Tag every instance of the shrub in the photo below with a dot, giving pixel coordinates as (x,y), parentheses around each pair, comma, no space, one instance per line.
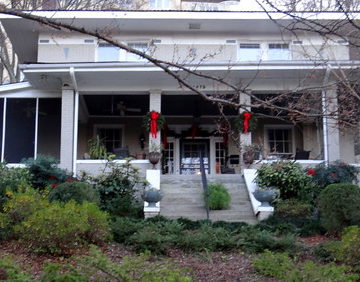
(258,240)
(45,172)
(98,267)
(280,266)
(122,228)
(219,197)
(274,264)
(292,208)
(61,228)
(117,189)
(339,206)
(346,251)
(22,205)
(298,225)
(287,176)
(12,180)
(9,271)
(77,191)
(338,172)
(207,238)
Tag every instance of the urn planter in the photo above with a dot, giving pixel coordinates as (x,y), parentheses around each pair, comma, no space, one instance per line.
(152,197)
(265,196)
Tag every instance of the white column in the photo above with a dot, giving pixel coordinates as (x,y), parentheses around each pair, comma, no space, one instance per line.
(331,129)
(67,129)
(155,105)
(245,139)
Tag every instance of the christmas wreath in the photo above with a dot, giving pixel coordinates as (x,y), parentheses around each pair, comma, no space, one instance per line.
(245,122)
(153,122)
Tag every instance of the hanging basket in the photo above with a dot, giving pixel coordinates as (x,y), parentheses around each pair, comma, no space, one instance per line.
(245,122)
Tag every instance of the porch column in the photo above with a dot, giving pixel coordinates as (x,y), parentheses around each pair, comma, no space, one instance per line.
(67,129)
(331,129)
(245,139)
(155,105)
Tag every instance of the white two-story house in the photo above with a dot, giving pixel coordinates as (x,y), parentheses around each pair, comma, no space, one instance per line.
(79,87)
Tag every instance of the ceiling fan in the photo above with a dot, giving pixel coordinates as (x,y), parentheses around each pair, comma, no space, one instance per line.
(122,109)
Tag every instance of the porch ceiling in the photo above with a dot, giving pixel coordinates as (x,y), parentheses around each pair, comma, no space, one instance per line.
(118,77)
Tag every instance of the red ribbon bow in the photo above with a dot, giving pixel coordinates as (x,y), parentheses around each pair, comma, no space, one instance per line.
(247,117)
(153,124)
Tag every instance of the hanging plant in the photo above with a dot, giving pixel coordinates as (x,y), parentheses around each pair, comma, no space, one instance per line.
(153,122)
(245,122)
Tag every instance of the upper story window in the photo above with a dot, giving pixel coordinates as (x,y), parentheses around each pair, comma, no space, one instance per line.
(130,57)
(279,52)
(250,52)
(107,53)
(160,4)
(110,53)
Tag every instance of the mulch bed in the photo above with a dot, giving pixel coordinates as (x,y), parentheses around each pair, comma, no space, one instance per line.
(203,266)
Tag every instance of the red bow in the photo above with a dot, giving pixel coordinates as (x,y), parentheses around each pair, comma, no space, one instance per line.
(153,124)
(247,117)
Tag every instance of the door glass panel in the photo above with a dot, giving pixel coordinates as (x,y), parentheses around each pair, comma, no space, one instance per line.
(190,160)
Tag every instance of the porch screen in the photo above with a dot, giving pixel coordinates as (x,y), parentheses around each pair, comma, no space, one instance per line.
(1,120)
(49,130)
(20,129)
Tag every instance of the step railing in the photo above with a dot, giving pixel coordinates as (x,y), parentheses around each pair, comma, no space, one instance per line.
(205,185)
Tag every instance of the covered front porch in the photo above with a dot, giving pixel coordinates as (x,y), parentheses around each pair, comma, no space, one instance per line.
(110,101)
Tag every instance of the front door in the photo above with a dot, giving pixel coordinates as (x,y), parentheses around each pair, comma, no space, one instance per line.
(190,156)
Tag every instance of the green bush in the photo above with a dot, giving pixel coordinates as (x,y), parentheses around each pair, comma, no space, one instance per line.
(122,228)
(77,191)
(292,208)
(98,267)
(345,251)
(117,189)
(280,266)
(295,225)
(339,206)
(276,265)
(60,228)
(9,271)
(337,172)
(45,172)
(207,238)
(219,197)
(12,180)
(22,205)
(287,176)
(259,240)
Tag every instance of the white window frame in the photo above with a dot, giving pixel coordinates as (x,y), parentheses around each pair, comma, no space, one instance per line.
(268,127)
(130,57)
(108,46)
(111,126)
(249,43)
(282,44)
(160,4)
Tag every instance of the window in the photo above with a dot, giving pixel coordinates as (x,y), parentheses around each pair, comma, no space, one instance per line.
(130,57)
(160,4)
(168,159)
(107,53)
(279,52)
(280,141)
(220,156)
(250,52)
(111,135)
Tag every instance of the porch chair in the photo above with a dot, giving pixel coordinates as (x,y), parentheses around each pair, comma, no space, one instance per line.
(121,152)
(302,155)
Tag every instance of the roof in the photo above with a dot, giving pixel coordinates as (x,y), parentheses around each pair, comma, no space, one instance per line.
(153,23)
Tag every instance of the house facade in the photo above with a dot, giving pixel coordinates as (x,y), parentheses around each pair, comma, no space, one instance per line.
(79,87)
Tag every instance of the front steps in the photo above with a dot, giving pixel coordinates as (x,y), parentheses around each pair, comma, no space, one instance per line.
(183,197)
